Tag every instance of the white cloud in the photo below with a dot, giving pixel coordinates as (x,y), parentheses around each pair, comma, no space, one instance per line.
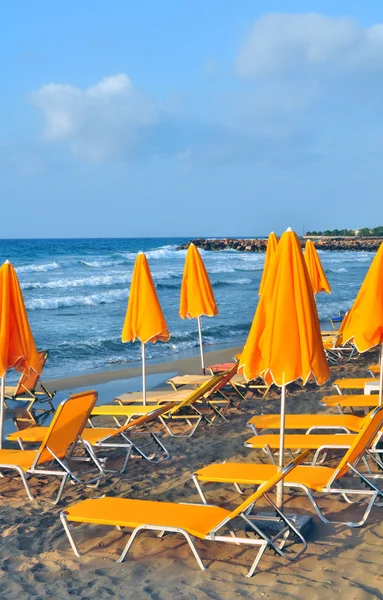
(102,121)
(282,42)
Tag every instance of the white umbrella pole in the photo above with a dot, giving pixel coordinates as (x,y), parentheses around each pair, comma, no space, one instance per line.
(381,376)
(143,373)
(281,445)
(2,410)
(200,344)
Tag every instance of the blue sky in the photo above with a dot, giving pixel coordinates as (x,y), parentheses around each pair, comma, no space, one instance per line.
(188,117)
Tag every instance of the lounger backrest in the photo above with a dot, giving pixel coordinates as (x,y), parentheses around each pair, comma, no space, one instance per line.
(67,425)
(226,377)
(143,419)
(29,379)
(268,485)
(373,423)
(195,395)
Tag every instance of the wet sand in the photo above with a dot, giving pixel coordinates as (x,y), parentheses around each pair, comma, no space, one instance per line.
(36,560)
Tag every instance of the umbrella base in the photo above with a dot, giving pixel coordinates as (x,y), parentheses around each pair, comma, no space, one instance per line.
(267,522)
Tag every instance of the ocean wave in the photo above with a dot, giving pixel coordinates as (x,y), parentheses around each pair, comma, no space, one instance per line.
(100,263)
(168,251)
(94,281)
(38,268)
(241,281)
(66,301)
(221,269)
(331,309)
(340,270)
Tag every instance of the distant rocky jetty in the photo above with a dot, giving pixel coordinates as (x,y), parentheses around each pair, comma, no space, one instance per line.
(259,245)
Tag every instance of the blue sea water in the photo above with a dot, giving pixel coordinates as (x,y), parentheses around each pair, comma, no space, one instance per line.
(76,295)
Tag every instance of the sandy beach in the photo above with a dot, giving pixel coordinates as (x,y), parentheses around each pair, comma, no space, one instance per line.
(37,562)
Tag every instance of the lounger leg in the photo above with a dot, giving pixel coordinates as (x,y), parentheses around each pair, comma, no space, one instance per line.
(130,542)
(162,531)
(238,488)
(348,523)
(181,435)
(23,479)
(199,489)
(255,564)
(27,488)
(126,460)
(194,550)
(64,521)
(61,489)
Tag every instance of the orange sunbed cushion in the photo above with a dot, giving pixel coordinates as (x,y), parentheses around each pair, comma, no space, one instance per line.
(351,400)
(20,458)
(255,474)
(198,520)
(30,434)
(354,383)
(303,421)
(303,441)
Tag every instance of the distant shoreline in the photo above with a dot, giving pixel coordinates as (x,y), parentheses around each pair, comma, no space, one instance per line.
(336,243)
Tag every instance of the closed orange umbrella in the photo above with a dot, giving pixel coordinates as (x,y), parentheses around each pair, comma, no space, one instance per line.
(271,247)
(318,278)
(285,343)
(197,297)
(17,346)
(363,324)
(144,319)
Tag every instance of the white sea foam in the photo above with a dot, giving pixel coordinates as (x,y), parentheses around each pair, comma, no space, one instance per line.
(94,281)
(66,301)
(240,281)
(39,268)
(99,263)
(340,270)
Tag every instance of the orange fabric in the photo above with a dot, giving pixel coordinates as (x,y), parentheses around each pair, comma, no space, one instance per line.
(144,319)
(17,346)
(198,520)
(271,247)
(285,343)
(197,297)
(363,324)
(315,477)
(314,266)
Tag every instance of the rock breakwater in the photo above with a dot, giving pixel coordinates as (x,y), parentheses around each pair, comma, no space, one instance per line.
(260,244)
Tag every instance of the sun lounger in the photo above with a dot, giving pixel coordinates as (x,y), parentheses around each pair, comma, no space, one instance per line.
(352,383)
(352,401)
(186,410)
(54,454)
(336,354)
(104,438)
(179,395)
(310,423)
(224,402)
(26,388)
(190,520)
(320,443)
(311,479)
(153,397)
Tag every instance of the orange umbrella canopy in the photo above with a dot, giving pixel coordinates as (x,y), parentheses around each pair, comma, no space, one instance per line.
(314,266)
(363,324)
(271,247)
(197,297)
(17,346)
(285,343)
(144,319)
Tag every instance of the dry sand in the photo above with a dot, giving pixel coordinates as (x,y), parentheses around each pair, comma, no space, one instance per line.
(37,562)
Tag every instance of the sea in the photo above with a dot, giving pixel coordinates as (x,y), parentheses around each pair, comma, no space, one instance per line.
(76,293)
